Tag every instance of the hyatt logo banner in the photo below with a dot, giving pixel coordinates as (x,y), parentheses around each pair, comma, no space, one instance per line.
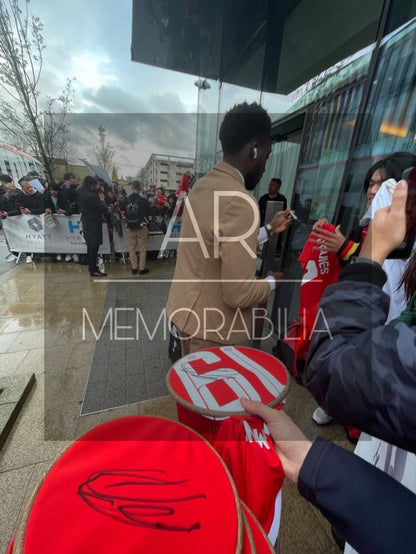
(47,234)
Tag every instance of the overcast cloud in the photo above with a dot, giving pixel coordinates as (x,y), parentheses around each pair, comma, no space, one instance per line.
(135,136)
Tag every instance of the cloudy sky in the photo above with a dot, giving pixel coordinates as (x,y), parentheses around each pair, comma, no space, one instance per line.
(91,42)
(144,109)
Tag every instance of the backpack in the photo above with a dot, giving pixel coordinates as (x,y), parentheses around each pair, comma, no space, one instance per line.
(156,225)
(116,219)
(135,215)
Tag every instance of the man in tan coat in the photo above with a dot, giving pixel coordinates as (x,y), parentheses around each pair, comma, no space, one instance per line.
(213,289)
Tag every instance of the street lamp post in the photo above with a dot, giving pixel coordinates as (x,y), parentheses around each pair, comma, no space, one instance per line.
(204,85)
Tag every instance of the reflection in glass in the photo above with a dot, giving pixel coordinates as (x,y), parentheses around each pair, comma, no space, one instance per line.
(389,123)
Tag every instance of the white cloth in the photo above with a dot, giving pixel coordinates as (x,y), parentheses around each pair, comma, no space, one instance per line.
(272,282)
(394,268)
(262,237)
(37,185)
(382,199)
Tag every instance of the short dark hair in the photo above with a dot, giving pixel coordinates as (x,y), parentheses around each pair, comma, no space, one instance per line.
(391,167)
(68,176)
(136,185)
(54,186)
(89,182)
(242,124)
(6,179)
(277,180)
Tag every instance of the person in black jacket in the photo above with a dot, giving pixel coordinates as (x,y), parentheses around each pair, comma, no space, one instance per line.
(91,203)
(364,374)
(137,231)
(9,201)
(30,200)
(56,202)
(272,196)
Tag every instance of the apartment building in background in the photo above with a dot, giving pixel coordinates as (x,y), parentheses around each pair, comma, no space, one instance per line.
(165,171)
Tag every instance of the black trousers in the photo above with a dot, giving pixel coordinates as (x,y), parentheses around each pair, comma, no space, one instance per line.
(92,251)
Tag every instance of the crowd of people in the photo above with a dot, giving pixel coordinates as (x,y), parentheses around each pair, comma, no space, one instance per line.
(32,195)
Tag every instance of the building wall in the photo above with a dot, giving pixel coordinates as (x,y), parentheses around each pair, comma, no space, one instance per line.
(80,171)
(165,171)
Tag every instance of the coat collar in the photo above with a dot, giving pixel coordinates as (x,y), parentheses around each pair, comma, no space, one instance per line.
(231,171)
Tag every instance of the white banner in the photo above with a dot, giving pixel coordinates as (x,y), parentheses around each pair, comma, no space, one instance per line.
(45,234)
(154,241)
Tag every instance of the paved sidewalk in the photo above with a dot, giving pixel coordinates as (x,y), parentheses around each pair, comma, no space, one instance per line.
(41,332)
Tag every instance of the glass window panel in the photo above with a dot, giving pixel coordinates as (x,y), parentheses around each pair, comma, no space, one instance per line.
(282,163)
(327,138)
(326,141)
(389,123)
(207,120)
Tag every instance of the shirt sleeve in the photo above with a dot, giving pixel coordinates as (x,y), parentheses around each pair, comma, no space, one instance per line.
(262,236)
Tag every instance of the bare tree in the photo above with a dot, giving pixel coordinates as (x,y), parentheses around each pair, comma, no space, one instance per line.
(56,129)
(104,152)
(24,123)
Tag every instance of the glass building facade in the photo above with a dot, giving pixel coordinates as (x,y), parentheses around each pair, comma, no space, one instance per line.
(323,144)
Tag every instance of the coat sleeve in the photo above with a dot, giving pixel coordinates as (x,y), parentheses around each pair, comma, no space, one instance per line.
(40,204)
(97,205)
(48,202)
(360,370)
(238,253)
(369,509)
(14,204)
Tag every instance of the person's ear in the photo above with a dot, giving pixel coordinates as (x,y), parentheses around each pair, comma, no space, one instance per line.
(254,154)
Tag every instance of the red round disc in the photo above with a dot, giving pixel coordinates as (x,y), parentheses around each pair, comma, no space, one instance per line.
(136,485)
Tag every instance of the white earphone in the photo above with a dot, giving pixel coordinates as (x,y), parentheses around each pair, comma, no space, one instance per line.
(254,153)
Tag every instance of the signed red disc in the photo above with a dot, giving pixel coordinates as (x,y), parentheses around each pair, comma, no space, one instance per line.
(136,485)
(212,381)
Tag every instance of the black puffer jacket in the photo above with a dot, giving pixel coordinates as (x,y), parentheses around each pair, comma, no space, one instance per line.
(361,371)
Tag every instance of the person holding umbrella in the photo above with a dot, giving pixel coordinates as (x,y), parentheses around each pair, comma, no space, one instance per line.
(90,199)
